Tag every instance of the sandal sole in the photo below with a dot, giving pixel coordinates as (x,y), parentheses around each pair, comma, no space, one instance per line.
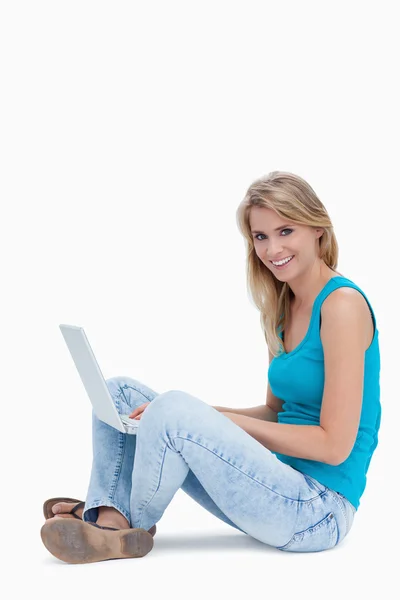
(48,513)
(76,542)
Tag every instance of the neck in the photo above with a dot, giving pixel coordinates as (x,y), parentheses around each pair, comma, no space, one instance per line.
(307,285)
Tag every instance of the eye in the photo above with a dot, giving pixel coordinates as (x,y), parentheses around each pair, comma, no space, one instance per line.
(287,229)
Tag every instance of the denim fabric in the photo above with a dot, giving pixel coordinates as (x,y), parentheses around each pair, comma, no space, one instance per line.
(184,443)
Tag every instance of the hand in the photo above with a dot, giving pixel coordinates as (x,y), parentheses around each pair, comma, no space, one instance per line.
(137,413)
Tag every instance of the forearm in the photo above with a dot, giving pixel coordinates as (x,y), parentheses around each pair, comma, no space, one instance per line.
(263,412)
(301,441)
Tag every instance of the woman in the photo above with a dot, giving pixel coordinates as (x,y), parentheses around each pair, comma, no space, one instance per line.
(289,473)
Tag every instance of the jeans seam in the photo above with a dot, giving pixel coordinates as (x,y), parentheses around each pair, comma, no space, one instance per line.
(226,461)
(120,456)
(341,507)
(247,475)
(157,486)
(311,483)
(131,387)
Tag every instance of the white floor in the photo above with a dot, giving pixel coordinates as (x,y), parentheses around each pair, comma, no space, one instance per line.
(197,556)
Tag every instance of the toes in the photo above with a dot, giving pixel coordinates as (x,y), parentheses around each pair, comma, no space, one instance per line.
(57,517)
(63,507)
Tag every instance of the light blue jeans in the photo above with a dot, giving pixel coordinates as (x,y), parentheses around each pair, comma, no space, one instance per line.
(184,443)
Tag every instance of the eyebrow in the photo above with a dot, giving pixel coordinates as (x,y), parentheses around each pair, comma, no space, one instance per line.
(276,229)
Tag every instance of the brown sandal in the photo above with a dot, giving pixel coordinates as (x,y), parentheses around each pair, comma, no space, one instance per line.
(48,513)
(79,542)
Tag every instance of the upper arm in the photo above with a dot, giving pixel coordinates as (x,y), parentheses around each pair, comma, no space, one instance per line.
(344,325)
(272,401)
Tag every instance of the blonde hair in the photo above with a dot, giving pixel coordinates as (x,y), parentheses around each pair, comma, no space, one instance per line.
(293,199)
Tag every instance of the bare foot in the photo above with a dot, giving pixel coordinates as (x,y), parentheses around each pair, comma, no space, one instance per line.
(66,507)
(107,516)
(111,517)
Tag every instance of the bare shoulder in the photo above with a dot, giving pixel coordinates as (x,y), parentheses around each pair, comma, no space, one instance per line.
(345,296)
(349,301)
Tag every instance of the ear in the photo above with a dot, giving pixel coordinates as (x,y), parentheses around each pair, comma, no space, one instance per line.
(319,232)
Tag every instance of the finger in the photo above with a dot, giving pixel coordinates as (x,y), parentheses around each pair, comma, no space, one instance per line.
(137,410)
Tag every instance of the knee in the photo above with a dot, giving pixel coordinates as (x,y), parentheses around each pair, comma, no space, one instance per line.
(174,402)
(172,396)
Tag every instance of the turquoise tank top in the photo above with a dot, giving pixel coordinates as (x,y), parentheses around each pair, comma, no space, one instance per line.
(297,378)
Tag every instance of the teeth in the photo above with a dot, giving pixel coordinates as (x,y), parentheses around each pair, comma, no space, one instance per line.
(282,262)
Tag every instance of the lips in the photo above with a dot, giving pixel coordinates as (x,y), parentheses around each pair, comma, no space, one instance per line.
(283,264)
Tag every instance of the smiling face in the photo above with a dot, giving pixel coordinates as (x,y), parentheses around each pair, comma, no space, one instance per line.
(275,239)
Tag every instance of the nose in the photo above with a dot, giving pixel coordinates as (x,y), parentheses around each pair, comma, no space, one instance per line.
(274,250)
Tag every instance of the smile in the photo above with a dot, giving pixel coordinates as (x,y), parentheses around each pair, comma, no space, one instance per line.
(282,263)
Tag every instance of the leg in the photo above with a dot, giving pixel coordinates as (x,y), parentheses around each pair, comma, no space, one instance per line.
(193,488)
(113,452)
(260,494)
(113,459)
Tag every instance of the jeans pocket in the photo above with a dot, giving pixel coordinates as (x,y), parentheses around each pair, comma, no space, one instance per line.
(321,536)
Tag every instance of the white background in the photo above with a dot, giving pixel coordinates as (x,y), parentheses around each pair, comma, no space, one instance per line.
(130,132)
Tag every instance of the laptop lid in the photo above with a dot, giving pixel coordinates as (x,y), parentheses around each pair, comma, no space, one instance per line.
(91,375)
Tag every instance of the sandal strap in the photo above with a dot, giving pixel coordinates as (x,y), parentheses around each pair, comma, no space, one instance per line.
(77,507)
(101,527)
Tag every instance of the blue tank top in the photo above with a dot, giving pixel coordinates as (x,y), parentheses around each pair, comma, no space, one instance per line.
(297,378)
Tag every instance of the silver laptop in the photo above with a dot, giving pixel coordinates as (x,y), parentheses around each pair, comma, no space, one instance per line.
(94,382)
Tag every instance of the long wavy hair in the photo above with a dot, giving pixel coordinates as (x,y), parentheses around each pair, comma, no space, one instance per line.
(293,199)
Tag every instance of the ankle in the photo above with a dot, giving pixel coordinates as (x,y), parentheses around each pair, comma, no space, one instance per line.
(111,517)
